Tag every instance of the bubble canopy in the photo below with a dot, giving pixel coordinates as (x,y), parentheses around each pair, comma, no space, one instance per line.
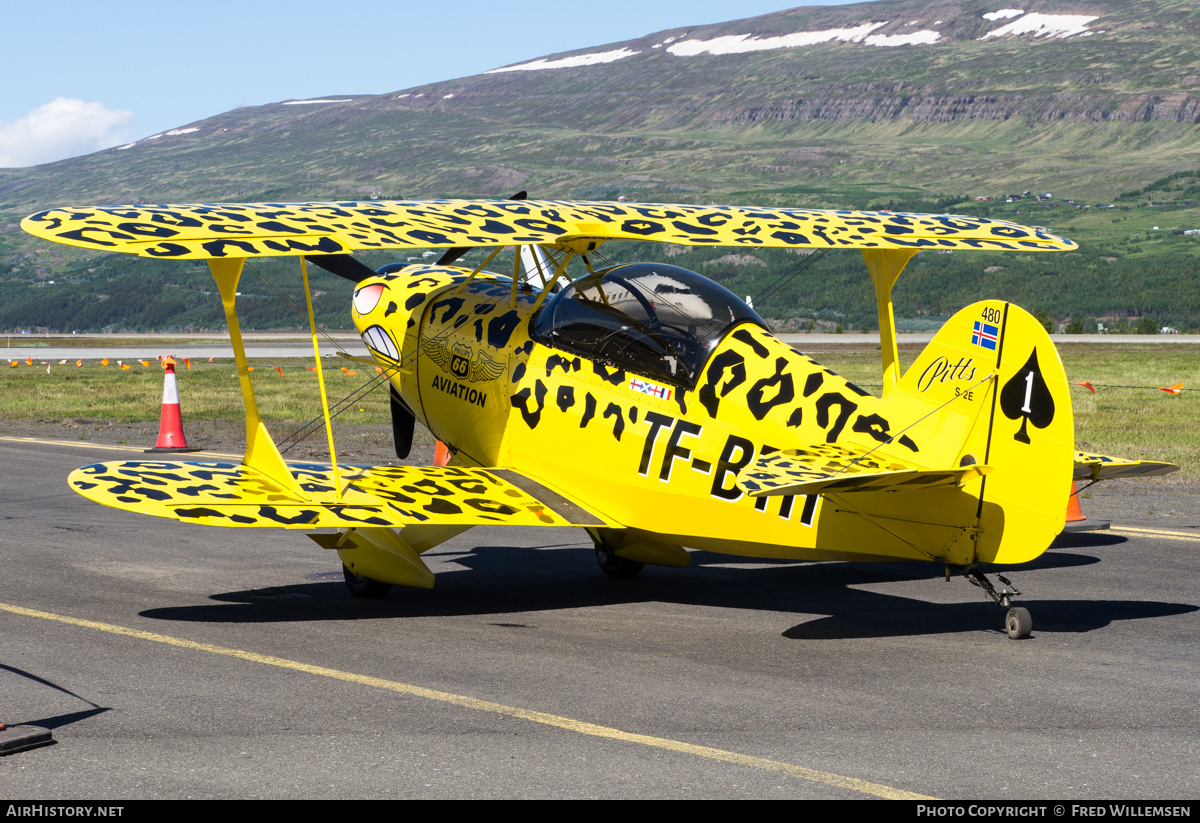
(655,320)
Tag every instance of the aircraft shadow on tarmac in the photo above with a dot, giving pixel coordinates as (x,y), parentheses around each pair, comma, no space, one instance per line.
(504,579)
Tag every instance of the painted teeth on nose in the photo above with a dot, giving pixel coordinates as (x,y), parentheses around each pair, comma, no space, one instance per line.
(379,340)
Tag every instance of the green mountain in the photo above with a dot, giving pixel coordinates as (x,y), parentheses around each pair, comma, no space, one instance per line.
(904,104)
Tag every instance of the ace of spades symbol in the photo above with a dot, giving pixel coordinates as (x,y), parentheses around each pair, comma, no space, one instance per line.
(1027,396)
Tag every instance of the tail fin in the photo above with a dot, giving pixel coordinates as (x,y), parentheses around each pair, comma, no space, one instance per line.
(990,388)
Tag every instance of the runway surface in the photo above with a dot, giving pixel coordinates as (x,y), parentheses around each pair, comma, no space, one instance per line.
(270,346)
(182,661)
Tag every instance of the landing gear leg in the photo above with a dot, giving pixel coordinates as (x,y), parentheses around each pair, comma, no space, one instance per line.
(1017,623)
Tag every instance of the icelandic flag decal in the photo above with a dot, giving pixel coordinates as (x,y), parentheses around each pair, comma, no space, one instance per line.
(985,335)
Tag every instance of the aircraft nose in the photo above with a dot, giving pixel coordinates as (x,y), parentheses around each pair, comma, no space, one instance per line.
(367,298)
(380,342)
(373,313)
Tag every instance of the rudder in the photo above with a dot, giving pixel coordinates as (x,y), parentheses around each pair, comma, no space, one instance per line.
(992,388)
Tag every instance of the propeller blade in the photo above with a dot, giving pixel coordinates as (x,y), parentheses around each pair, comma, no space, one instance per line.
(453,254)
(343,265)
(403,422)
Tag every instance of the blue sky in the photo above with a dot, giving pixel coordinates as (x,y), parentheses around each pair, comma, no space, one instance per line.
(88,75)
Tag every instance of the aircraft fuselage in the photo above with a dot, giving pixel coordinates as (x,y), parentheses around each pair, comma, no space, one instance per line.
(657,456)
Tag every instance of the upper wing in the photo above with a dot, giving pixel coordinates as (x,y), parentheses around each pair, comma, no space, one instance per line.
(274,229)
(231,494)
(1102,467)
(832,468)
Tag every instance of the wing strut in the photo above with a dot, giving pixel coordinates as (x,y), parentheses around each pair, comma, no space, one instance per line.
(312,325)
(478,269)
(553,279)
(261,453)
(885,266)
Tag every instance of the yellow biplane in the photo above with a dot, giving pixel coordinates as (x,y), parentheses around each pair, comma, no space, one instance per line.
(641,402)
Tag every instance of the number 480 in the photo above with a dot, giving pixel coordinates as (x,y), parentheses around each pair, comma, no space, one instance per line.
(991,315)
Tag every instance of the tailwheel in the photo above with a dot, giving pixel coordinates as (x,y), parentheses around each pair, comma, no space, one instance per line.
(615,566)
(364,587)
(1018,623)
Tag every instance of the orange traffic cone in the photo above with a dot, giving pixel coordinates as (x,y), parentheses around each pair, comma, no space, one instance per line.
(441,455)
(170,426)
(1076,520)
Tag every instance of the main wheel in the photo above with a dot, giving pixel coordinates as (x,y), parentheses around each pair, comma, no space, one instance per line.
(364,586)
(1018,623)
(615,566)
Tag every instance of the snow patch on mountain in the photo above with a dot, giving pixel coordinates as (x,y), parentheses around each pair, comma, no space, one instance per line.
(1057,26)
(592,59)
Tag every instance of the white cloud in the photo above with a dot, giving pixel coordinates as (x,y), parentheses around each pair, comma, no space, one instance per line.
(62,128)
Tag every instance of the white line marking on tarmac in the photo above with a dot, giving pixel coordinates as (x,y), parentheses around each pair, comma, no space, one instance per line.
(566,723)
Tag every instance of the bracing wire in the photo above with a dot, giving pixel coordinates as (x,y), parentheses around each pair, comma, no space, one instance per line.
(292,303)
(791,274)
(314,425)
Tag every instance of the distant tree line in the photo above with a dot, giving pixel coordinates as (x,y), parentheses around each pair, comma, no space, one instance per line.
(1112,283)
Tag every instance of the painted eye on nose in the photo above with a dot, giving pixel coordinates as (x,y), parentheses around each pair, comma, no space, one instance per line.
(367,298)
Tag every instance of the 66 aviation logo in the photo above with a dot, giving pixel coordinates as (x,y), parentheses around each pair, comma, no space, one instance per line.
(460,361)
(464,363)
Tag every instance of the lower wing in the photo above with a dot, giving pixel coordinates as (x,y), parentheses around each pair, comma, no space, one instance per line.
(232,494)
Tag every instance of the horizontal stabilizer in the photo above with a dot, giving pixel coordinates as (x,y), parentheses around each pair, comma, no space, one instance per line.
(1102,467)
(831,468)
(232,494)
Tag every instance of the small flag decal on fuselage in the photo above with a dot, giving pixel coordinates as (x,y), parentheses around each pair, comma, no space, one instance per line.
(646,387)
(985,335)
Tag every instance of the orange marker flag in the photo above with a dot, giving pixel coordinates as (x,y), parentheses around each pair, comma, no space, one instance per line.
(1176,389)
(210,360)
(378,370)
(13,363)
(1087,386)
(104,362)
(160,358)
(279,370)
(189,362)
(78,363)
(311,368)
(62,362)
(347,371)
(146,363)
(29,361)
(47,368)
(250,368)
(123,365)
